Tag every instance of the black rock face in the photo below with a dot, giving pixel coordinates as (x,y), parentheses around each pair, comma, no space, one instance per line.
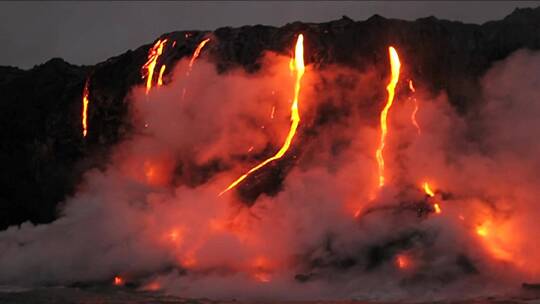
(44,154)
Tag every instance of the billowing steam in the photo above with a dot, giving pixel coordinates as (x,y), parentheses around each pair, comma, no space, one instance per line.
(154,215)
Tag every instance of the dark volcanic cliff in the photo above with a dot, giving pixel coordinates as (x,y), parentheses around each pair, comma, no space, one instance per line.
(44,154)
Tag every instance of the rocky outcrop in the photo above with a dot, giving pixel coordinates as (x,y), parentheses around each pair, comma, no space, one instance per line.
(43,153)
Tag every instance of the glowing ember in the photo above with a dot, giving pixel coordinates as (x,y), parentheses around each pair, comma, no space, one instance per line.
(395,67)
(85,101)
(428,190)
(437,208)
(197,52)
(118,281)
(160,77)
(402,261)
(295,116)
(415,110)
(150,65)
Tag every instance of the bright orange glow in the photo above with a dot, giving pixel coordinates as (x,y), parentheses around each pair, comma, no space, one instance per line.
(160,77)
(395,67)
(482,231)
(498,239)
(415,110)
(197,52)
(437,208)
(402,261)
(295,116)
(85,109)
(427,189)
(118,281)
(150,65)
(411,86)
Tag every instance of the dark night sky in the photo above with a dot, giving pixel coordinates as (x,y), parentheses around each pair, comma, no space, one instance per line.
(90,32)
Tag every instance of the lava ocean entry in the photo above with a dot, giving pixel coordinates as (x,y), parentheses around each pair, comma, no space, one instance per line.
(302,181)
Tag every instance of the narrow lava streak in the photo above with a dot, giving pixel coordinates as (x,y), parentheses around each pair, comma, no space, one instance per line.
(395,67)
(160,77)
(415,110)
(430,193)
(299,67)
(150,65)
(197,53)
(427,189)
(84,114)
(273,112)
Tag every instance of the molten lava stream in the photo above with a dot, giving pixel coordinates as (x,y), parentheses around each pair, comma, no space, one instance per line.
(150,65)
(160,77)
(427,189)
(84,115)
(415,110)
(196,54)
(298,66)
(430,193)
(395,67)
(194,57)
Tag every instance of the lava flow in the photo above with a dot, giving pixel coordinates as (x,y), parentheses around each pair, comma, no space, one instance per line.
(427,190)
(160,77)
(299,67)
(84,114)
(415,110)
(430,193)
(395,67)
(196,54)
(150,65)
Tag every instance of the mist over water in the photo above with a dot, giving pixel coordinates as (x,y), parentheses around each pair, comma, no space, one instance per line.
(154,214)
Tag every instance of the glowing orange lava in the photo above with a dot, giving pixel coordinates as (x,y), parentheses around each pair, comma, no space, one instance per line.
(427,189)
(197,52)
(118,281)
(150,65)
(415,110)
(160,77)
(395,67)
(482,231)
(84,115)
(295,116)
(430,193)
(402,261)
